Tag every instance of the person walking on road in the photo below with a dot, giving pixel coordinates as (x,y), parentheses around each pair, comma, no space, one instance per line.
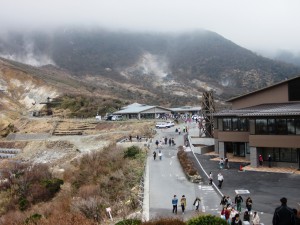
(220,179)
(236,220)
(270,161)
(249,204)
(174,203)
(255,219)
(283,214)
(221,163)
(166,140)
(183,203)
(159,154)
(260,159)
(170,141)
(156,143)
(197,203)
(154,155)
(210,178)
(238,201)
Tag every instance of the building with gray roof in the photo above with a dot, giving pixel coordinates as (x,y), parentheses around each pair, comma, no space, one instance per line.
(265,122)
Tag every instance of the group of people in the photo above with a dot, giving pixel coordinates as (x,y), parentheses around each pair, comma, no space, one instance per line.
(165,141)
(220,179)
(183,203)
(224,163)
(231,211)
(138,138)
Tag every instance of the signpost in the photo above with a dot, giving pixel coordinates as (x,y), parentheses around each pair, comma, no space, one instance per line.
(108,210)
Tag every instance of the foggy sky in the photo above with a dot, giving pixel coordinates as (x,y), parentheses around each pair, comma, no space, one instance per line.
(259,25)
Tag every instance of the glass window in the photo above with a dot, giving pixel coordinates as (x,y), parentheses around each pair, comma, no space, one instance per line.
(291,126)
(235,124)
(285,155)
(261,126)
(247,148)
(227,124)
(294,155)
(271,126)
(243,124)
(276,155)
(281,127)
(220,124)
(297,125)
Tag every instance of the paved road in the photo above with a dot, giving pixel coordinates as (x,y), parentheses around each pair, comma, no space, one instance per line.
(265,188)
(167,178)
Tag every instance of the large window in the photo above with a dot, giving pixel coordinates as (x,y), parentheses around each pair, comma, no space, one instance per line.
(261,126)
(279,126)
(235,124)
(281,154)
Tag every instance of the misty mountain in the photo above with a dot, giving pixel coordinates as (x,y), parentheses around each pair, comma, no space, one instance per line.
(288,57)
(167,62)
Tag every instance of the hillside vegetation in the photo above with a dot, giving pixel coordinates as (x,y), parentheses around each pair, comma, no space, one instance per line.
(183,58)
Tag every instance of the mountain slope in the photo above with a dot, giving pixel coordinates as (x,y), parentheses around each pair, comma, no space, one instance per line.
(150,59)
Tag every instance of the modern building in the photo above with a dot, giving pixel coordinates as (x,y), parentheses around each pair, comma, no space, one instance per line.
(143,111)
(266,122)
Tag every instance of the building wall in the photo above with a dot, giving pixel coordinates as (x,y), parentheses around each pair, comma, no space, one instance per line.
(231,136)
(275,141)
(277,94)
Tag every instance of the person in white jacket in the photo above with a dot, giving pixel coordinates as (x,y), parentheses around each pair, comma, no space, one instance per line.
(255,219)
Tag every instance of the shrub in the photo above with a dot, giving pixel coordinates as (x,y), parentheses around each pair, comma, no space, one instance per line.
(33,219)
(165,221)
(207,220)
(129,222)
(131,152)
(27,185)
(23,203)
(186,163)
(52,185)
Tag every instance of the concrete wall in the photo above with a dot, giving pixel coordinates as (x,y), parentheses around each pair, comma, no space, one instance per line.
(276,141)
(253,157)
(221,149)
(277,94)
(231,136)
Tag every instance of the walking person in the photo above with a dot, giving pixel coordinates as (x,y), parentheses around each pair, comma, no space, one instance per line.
(236,220)
(197,203)
(174,203)
(238,201)
(283,214)
(221,163)
(154,155)
(260,159)
(166,140)
(249,204)
(270,161)
(246,216)
(183,203)
(159,154)
(156,143)
(256,219)
(170,141)
(220,179)
(210,178)
(226,161)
